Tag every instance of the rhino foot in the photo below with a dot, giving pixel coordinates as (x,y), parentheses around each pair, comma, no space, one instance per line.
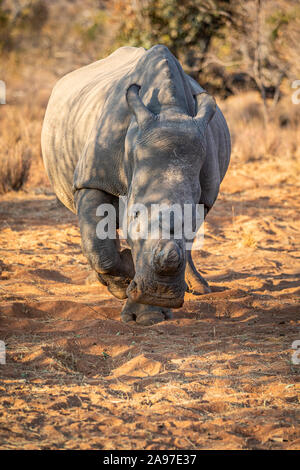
(116,285)
(144,315)
(196,284)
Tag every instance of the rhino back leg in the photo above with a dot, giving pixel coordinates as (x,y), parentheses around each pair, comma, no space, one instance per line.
(114,268)
(196,284)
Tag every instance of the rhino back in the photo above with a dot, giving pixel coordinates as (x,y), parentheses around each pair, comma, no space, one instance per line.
(73,113)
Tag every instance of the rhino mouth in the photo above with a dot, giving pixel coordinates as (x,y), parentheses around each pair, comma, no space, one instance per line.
(157,293)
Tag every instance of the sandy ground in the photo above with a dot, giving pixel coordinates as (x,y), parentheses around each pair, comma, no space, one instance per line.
(217,376)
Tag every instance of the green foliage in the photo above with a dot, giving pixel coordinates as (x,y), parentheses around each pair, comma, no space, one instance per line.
(180,25)
(4,22)
(93,29)
(3,16)
(33,16)
(277,20)
(16,23)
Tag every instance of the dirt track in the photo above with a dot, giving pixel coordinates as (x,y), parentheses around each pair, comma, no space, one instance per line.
(219,375)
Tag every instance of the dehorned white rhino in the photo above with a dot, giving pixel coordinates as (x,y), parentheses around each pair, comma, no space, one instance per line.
(134,124)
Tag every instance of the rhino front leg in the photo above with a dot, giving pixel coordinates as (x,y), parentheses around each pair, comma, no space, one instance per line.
(197,285)
(145,315)
(114,269)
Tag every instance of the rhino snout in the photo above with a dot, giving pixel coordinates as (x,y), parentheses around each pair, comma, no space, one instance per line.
(155,292)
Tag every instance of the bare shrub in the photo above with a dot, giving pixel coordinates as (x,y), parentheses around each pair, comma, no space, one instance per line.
(16,137)
(15,165)
(251,140)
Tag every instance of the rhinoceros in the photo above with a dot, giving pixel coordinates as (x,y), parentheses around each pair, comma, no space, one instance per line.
(135,124)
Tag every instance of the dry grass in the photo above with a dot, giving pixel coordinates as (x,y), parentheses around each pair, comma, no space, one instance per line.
(16,152)
(20,128)
(15,169)
(251,140)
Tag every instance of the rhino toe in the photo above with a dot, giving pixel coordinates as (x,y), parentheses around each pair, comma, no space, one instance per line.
(144,315)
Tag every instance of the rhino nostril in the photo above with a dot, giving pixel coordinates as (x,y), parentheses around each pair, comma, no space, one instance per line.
(173,258)
(132,286)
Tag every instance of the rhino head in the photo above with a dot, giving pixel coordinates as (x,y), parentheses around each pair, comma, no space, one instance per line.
(164,156)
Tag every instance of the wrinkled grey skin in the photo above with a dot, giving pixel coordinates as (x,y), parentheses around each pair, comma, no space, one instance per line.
(135,124)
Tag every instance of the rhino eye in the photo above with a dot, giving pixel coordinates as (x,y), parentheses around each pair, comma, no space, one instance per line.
(136,214)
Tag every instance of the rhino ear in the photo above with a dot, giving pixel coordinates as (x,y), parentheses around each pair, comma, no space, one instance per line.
(206,108)
(141,112)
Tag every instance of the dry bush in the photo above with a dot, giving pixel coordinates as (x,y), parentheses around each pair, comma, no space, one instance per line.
(20,128)
(252,140)
(15,166)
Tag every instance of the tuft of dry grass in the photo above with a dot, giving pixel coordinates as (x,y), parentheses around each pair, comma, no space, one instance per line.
(20,127)
(15,167)
(247,239)
(16,152)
